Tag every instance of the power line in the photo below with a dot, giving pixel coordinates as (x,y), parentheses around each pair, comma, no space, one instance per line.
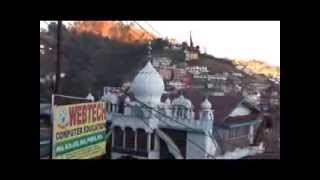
(153,28)
(126,24)
(56,89)
(150,109)
(143,29)
(186,138)
(197,145)
(164,115)
(190,128)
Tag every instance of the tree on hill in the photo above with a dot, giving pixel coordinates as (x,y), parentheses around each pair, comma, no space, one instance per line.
(90,61)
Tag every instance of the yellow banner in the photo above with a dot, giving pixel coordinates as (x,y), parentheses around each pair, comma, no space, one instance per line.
(79,131)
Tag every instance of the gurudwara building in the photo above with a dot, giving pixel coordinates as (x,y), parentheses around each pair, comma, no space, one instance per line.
(148,123)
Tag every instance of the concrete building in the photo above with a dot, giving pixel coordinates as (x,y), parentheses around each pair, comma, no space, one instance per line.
(161,61)
(179,73)
(166,72)
(196,70)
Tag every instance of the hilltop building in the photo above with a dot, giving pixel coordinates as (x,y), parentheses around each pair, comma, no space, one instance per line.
(191,52)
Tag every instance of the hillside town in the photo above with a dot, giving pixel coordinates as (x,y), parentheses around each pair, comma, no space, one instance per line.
(197,107)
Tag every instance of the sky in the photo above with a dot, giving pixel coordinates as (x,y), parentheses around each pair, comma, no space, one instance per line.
(244,40)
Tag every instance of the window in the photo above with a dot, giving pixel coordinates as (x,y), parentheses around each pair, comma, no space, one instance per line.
(142,140)
(130,139)
(244,131)
(118,137)
(180,112)
(238,132)
(109,106)
(206,115)
(152,142)
(114,108)
(231,133)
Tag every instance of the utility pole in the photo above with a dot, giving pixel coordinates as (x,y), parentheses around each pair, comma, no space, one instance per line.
(56,90)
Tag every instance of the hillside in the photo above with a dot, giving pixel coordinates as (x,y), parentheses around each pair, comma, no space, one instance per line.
(259,67)
(89,61)
(92,61)
(114,30)
(221,65)
(215,65)
(218,65)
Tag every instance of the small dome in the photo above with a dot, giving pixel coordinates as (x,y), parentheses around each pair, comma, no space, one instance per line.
(189,104)
(127,100)
(110,97)
(206,104)
(90,97)
(181,100)
(148,85)
(168,101)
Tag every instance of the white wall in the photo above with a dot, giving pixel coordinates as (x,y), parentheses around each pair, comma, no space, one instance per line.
(192,151)
(155,154)
(241,110)
(211,146)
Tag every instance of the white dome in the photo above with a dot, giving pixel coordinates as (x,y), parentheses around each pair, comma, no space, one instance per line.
(110,97)
(181,100)
(148,85)
(90,97)
(206,104)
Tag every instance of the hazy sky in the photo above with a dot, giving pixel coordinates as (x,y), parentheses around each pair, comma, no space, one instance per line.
(231,39)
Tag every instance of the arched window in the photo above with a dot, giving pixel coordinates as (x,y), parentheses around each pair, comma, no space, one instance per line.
(129,138)
(121,108)
(205,115)
(110,106)
(118,137)
(142,140)
(113,107)
(181,111)
(108,103)
(153,141)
